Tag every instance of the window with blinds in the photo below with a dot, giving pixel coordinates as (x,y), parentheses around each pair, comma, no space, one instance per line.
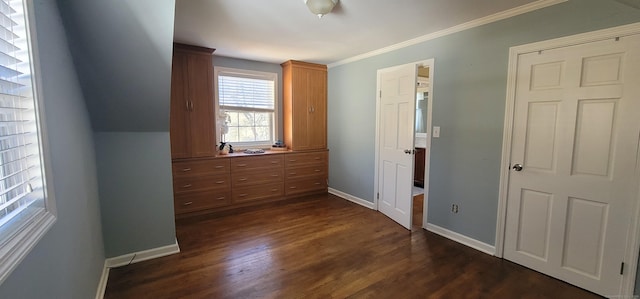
(25,212)
(247,107)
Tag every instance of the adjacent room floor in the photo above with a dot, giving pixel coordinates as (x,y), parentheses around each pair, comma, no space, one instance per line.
(324,247)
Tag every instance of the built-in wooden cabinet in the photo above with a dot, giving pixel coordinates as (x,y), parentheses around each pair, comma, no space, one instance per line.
(257,177)
(305,105)
(204,181)
(306,172)
(201,184)
(192,121)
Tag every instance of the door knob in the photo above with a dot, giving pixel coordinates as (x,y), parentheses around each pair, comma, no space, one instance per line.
(517,167)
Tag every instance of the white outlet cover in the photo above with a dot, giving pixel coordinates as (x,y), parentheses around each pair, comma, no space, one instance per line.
(436,132)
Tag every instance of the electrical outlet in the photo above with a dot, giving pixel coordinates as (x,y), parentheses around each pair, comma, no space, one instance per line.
(454,208)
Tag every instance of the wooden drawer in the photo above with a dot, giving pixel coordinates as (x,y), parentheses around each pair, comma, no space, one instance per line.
(306,185)
(299,159)
(266,161)
(306,171)
(258,192)
(197,201)
(200,167)
(204,182)
(253,177)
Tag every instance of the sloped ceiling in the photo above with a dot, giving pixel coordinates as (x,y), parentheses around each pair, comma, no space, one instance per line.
(278,30)
(122,53)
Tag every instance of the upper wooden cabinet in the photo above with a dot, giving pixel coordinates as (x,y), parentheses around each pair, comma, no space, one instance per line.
(305,105)
(192,125)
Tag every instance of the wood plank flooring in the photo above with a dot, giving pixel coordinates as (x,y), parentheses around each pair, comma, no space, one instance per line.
(324,247)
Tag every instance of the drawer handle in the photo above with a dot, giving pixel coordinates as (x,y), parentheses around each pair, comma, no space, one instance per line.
(219,166)
(242,165)
(317,158)
(318,170)
(317,183)
(243,195)
(274,162)
(187,186)
(188,203)
(274,190)
(220,198)
(220,182)
(292,173)
(293,187)
(242,179)
(292,160)
(275,175)
(186,169)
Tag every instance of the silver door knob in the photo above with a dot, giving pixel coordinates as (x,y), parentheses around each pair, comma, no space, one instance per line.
(517,167)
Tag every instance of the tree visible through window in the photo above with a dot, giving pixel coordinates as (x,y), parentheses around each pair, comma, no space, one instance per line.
(246,105)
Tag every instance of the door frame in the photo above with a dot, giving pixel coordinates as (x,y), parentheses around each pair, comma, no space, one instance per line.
(430,63)
(632,248)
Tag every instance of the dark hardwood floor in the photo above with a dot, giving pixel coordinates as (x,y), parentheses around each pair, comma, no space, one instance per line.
(324,247)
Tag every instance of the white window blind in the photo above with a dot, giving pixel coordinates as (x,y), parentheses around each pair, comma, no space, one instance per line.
(21,179)
(238,93)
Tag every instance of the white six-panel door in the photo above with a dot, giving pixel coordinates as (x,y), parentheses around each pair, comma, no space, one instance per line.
(397,113)
(575,135)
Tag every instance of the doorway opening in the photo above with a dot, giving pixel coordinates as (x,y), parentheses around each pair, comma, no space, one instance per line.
(421,146)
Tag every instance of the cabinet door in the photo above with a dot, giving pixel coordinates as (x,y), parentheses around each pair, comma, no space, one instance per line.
(300,109)
(317,102)
(179,122)
(201,97)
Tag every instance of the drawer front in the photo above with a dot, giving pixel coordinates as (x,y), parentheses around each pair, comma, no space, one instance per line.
(263,176)
(306,171)
(204,182)
(306,185)
(299,159)
(200,167)
(266,161)
(198,201)
(258,192)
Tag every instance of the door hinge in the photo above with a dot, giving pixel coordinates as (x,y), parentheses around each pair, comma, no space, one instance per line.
(378,195)
(380,93)
(621,268)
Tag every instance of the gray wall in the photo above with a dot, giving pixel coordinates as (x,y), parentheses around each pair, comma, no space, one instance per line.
(261,67)
(468,104)
(68,260)
(122,52)
(134,174)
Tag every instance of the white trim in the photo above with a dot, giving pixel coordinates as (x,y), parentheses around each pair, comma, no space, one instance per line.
(461,27)
(462,239)
(354,199)
(102,284)
(633,246)
(132,258)
(427,159)
(136,257)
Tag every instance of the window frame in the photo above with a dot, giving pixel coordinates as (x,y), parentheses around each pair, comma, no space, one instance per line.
(244,73)
(27,232)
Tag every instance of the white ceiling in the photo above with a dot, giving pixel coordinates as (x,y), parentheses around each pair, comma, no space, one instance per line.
(279,30)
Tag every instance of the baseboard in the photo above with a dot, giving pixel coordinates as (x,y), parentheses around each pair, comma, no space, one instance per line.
(351,198)
(136,257)
(102,284)
(132,258)
(462,239)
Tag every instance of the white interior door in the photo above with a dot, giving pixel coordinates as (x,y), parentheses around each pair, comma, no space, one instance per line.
(574,182)
(397,113)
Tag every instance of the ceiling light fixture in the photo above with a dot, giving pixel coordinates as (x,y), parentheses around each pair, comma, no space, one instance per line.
(321,7)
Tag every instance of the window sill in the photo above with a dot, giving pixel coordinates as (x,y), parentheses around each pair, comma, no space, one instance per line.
(17,248)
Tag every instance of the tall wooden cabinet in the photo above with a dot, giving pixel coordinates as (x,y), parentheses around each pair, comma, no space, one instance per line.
(305,105)
(192,120)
